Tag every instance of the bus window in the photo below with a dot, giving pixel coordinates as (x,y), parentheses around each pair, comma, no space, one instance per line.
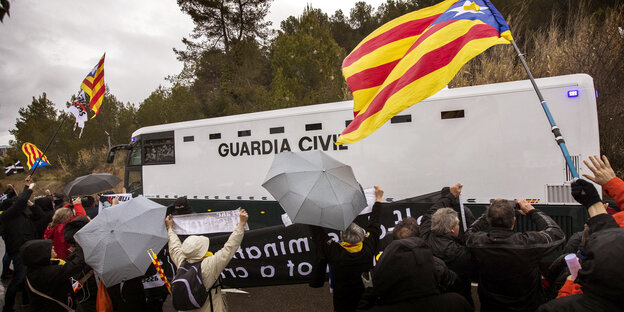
(135,155)
(158,148)
(134,181)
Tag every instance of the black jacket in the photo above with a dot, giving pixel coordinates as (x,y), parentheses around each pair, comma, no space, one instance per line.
(450,249)
(600,276)
(48,276)
(508,262)
(347,268)
(404,280)
(42,215)
(17,223)
(446,200)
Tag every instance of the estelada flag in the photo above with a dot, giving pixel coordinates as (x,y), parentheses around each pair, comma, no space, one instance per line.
(33,154)
(414,56)
(93,86)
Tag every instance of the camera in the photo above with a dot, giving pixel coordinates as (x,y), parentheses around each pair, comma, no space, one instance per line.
(513,204)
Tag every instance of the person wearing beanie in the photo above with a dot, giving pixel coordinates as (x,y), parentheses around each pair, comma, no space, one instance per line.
(195,249)
(180,207)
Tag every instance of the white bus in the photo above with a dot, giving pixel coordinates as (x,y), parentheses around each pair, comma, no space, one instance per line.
(494,139)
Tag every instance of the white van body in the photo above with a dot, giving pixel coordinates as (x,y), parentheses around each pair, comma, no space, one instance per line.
(501,147)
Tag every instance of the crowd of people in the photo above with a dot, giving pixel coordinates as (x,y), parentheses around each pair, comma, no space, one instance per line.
(430,264)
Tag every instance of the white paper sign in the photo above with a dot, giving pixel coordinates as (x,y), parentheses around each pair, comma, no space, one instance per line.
(286,220)
(369,193)
(206,223)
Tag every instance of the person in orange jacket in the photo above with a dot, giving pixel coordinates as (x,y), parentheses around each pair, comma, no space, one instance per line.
(612,186)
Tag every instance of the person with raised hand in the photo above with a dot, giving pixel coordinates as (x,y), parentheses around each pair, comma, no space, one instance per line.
(194,250)
(18,229)
(612,186)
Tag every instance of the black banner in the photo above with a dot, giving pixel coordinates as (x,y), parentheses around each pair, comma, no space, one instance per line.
(281,255)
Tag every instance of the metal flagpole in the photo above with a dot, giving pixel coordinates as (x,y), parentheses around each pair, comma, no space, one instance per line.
(48,145)
(553,127)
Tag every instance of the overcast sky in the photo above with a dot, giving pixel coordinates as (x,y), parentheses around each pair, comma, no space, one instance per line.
(49,46)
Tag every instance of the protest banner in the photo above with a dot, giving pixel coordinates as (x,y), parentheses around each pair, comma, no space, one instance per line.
(206,223)
(281,255)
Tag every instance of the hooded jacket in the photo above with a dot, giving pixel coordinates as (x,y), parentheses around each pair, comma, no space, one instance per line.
(48,276)
(600,276)
(404,280)
(503,255)
(194,249)
(17,222)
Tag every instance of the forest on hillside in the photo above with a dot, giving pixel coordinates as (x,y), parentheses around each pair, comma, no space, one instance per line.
(235,63)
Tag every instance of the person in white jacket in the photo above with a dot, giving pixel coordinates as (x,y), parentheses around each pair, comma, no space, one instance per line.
(195,248)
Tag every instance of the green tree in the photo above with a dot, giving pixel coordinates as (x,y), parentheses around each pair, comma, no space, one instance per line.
(36,124)
(306,62)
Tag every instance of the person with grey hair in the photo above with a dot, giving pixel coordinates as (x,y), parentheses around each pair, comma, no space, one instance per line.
(507,261)
(440,228)
(350,257)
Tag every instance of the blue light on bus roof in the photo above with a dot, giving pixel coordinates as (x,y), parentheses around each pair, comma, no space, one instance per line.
(573,93)
(132,140)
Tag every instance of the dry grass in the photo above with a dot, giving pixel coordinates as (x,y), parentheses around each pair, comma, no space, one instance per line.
(55,178)
(588,43)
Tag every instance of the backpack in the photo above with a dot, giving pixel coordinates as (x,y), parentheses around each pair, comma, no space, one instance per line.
(187,288)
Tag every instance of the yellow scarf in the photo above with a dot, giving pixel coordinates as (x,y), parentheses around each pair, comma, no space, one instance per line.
(352,248)
(208,254)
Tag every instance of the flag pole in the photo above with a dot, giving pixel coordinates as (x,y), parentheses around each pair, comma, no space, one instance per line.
(553,127)
(48,145)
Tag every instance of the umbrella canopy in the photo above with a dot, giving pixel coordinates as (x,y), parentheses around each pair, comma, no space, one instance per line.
(316,189)
(115,243)
(91,183)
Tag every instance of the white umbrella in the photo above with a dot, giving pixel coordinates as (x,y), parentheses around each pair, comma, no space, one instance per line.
(316,189)
(115,242)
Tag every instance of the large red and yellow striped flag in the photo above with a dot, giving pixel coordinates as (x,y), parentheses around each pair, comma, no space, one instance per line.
(414,56)
(33,154)
(93,85)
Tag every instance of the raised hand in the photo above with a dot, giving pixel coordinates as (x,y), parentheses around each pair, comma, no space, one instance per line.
(601,168)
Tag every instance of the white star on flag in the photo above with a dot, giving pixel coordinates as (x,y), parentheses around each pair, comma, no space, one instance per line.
(468,7)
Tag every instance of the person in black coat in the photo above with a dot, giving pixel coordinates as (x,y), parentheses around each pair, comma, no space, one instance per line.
(442,231)
(507,261)
(84,297)
(600,276)
(404,280)
(180,207)
(50,276)
(43,211)
(601,272)
(18,228)
(350,258)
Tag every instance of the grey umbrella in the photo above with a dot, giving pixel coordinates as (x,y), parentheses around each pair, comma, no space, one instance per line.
(91,183)
(115,243)
(316,189)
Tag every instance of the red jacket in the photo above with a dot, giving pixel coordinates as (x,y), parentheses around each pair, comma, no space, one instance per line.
(615,189)
(58,240)
(569,288)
